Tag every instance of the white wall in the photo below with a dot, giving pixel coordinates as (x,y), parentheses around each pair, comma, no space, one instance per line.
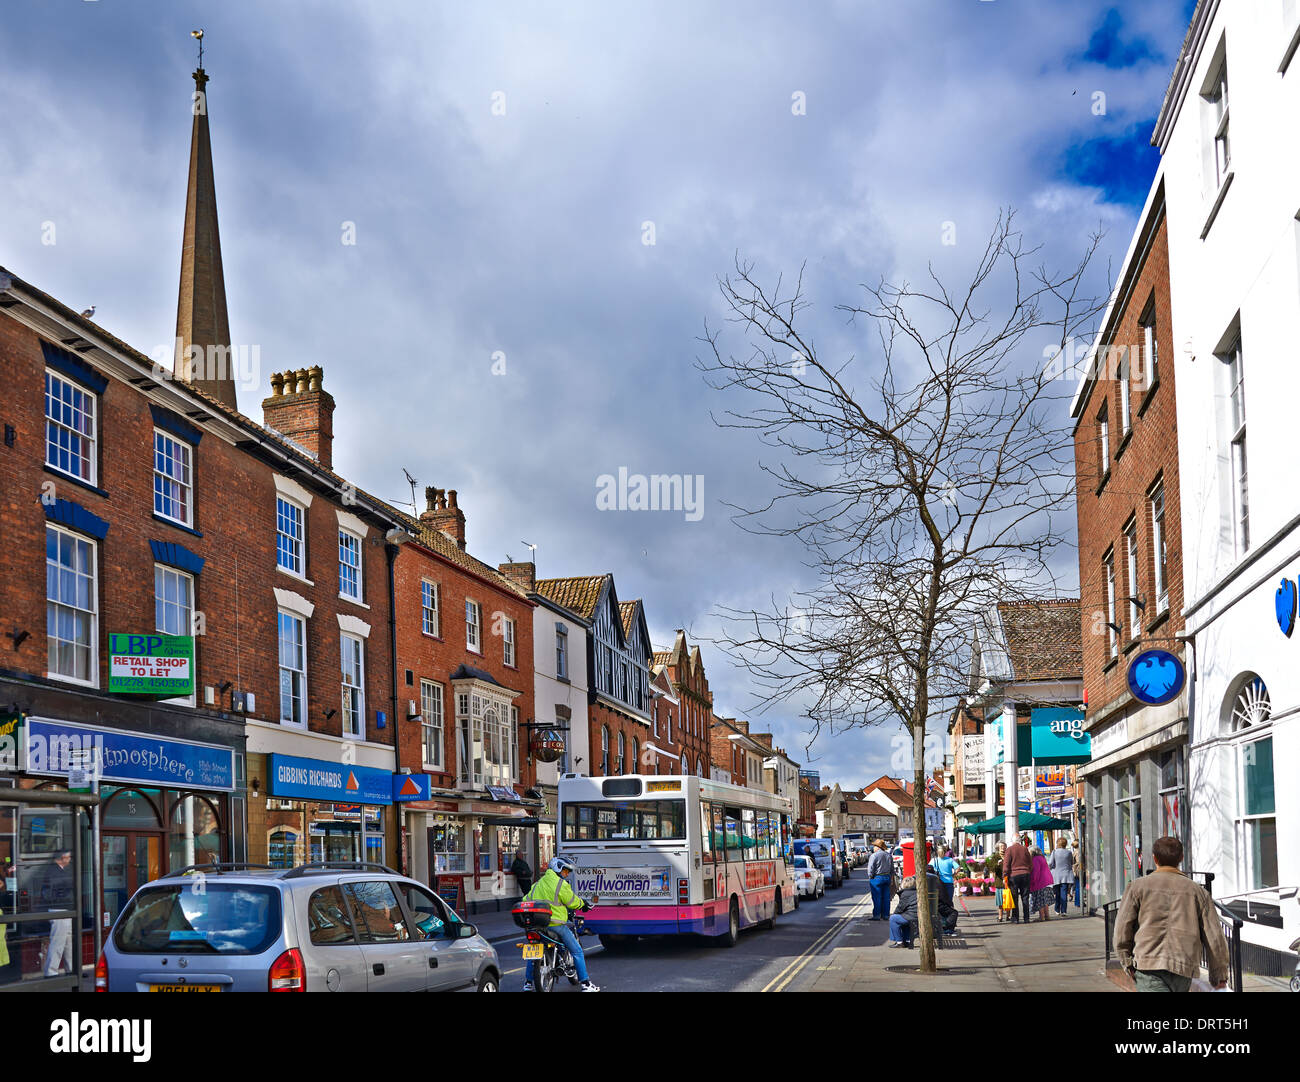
(1248,265)
(548,691)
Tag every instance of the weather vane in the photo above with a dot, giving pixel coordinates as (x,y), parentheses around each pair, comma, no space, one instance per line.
(199,35)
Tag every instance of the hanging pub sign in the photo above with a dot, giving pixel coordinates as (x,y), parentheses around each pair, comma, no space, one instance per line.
(158,665)
(548,745)
(1155,677)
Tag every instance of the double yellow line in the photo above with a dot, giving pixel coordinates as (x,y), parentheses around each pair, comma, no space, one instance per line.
(782,979)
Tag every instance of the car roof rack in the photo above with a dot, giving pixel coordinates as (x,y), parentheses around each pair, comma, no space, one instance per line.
(217,868)
(338,866)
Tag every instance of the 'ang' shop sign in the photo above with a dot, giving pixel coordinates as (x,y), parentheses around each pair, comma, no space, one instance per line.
(161,666)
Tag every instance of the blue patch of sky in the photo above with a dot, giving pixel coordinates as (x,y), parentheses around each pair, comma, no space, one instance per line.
(1122,166)
(1109,47)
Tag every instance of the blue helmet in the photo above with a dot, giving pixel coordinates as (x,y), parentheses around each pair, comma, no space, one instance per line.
(561,864)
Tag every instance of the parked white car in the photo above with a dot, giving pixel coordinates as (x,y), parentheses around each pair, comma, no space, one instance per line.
(809,879)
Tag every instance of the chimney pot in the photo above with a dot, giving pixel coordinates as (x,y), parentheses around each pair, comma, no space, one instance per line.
(310,421)
(449,519)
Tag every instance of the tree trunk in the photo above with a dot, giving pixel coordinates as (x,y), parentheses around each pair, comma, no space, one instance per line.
(919,840)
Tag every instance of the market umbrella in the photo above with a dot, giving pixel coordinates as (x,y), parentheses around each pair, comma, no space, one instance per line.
(1025,821)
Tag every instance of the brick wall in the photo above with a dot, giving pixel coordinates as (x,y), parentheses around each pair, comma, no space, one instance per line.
(430,657)
(602,716)
(1150,453)
(234,516)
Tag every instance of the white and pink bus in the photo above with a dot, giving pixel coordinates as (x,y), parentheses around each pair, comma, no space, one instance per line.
(673,854)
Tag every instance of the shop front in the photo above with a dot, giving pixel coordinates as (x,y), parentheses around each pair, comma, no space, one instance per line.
(466,847)
(1135,786)
(165,804)
(317,810)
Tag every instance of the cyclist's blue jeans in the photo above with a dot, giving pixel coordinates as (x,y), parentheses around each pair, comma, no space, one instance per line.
(565,933)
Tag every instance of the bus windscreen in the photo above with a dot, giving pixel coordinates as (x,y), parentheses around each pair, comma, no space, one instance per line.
(625,820)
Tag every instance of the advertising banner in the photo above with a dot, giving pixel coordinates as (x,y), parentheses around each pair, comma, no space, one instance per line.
(972,764)
(624,884)
(158,665)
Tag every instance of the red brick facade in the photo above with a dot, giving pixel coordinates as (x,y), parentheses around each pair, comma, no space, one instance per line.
(684,666)
(1138,461)
(426,656)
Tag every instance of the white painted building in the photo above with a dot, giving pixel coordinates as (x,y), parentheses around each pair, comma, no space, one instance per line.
(559,699)
(1233,205)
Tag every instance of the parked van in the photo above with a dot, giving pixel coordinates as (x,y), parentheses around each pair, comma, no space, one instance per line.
(824,855)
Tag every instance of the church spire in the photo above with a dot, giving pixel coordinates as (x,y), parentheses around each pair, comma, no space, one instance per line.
(203,354)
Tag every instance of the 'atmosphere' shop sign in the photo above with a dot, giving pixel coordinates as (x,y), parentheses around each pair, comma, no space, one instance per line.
(318,779)
(56,747)
(159,665)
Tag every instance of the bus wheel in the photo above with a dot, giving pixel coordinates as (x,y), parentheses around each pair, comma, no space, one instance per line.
(731,936)
(776,911)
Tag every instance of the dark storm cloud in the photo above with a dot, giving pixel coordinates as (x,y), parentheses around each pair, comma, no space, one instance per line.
(481,234)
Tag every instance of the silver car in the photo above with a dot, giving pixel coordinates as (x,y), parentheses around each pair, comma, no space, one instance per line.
(319,927)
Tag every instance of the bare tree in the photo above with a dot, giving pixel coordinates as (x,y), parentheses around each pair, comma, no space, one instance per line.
(934,486)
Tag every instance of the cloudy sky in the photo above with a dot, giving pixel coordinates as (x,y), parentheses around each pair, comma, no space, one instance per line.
(502,324)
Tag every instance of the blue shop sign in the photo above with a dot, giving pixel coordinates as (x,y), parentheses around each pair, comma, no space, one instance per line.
(410,787)
(319,779)
(1155,677)
(56,747)
(1057,737)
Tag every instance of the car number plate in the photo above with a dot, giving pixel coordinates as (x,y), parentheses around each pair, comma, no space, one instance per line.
(534,950)
(185,988)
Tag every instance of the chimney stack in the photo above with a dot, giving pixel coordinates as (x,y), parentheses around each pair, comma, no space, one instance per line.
(441,513)
(299,409)
(523,575)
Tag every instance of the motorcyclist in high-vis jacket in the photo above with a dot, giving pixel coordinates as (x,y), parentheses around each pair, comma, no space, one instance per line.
(553,889)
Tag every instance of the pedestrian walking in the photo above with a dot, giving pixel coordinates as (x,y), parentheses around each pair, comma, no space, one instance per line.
(1017,869)
(56,893)
(999,885)
(1062,865)
(946,868)
(880,870)
(903,921)
(523,872)
(1042,893)
(1166,923)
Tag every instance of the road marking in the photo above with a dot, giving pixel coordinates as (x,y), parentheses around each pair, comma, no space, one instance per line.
(782,979)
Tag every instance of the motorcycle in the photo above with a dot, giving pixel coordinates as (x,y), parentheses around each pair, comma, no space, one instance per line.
(546,950)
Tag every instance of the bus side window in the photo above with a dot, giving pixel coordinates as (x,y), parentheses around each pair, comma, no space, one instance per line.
(735,846)
(719,833)
(706,831)
(748,834)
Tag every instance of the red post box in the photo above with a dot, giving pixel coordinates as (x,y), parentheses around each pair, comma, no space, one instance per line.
(909,858)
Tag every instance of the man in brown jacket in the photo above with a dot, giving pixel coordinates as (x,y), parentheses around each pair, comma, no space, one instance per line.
(1017,867)
(1165,923)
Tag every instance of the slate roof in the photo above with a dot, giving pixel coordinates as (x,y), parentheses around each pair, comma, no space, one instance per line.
(578,595)
(1044,639)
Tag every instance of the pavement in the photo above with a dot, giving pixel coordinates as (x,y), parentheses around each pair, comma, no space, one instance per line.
(1065,954)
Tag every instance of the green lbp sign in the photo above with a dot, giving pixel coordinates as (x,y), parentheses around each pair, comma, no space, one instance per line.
(158,665)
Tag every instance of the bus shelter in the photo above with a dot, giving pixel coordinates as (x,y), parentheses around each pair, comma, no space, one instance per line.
(45,894)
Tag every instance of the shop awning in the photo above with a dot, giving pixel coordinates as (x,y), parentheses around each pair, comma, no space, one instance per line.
(1024,821)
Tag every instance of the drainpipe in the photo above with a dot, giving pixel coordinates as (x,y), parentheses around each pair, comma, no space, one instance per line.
(393,540)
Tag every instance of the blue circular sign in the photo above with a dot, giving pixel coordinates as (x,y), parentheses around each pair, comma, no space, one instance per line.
(1155,677)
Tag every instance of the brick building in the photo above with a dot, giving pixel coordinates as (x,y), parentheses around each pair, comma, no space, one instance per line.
(684,668)
(806,823)
(662,753)
(465,662)
(176,535)
(1131,565)
(736,756)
